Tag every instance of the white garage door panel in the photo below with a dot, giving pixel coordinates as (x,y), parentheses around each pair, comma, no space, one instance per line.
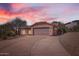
(41,31)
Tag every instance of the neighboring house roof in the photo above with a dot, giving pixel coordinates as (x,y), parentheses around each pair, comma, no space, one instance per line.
(76,21)
(68,23)
(72,24)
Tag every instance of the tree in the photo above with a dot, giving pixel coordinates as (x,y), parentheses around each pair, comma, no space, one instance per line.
(9,29)
(17,22)
(6,31)
(60,27)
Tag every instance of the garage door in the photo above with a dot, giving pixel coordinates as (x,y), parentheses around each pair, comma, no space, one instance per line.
(41,31)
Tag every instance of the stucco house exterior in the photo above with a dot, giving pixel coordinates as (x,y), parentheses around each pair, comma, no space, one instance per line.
(39,28)
(71,25)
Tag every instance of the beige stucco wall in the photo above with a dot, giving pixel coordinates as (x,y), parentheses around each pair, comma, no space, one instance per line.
(23,32)
(51,31)
(30,31)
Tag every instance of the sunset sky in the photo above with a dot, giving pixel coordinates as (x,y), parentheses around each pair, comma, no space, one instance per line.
(35,12)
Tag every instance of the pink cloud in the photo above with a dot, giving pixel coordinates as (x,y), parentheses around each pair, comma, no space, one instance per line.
(23,12)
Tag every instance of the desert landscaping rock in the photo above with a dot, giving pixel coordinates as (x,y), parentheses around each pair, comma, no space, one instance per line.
(70,42)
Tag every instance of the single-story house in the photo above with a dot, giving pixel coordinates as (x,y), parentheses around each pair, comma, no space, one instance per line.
(39,28)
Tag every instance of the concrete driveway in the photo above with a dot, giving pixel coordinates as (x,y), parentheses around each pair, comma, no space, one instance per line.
(33,46)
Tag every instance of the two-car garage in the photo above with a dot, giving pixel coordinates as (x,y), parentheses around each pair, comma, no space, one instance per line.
(42,28)
(41,31)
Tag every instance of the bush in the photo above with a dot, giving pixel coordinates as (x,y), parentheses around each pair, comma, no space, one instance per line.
(5,34)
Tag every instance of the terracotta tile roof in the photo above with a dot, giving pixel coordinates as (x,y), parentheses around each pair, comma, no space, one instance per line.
(38,23)
(42,23)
